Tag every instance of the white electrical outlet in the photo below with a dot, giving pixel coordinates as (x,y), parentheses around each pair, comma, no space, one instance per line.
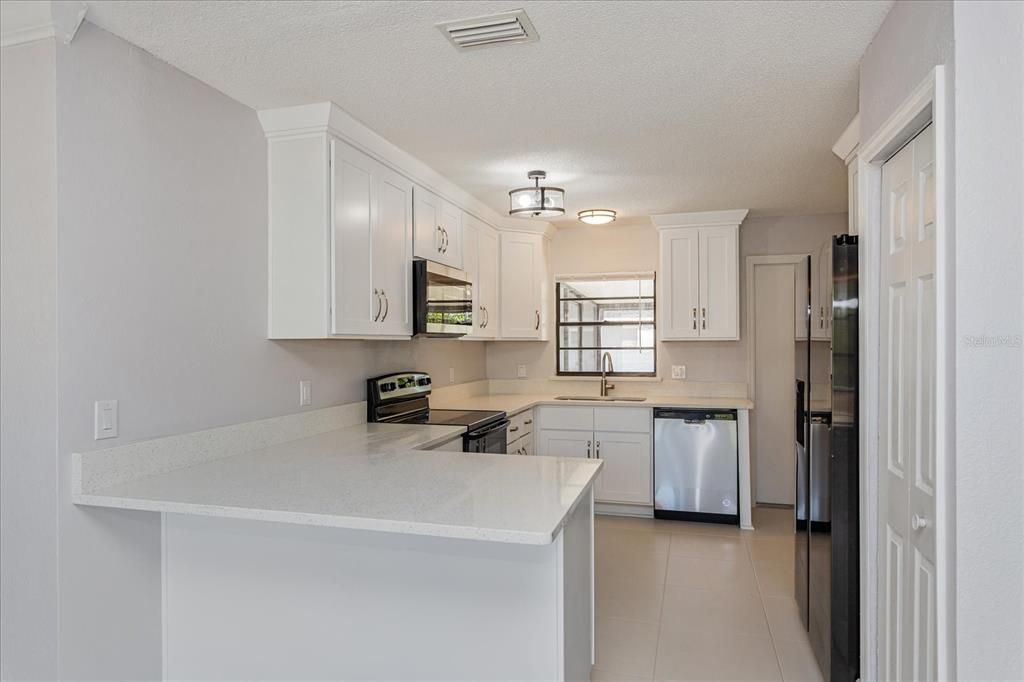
(305,393)
(451,375)
(105,419)
(678,371)
(521,371)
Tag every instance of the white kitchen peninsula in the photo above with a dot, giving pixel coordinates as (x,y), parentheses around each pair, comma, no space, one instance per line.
(348,553)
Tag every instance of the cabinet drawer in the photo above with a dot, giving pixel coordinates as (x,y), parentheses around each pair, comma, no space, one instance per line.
(566,418)
(628,419)
(520,425)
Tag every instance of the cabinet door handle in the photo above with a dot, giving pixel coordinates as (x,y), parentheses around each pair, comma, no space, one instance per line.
(437,239)
(387,305)
(487,316)
(537,325)
(703,318)
(528,422)
(444,233)
(588,449)
(513,429)
(694,318)
(597,454)
(380,304)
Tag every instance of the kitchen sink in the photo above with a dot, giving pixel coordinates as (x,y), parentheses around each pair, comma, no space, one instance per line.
(603,399)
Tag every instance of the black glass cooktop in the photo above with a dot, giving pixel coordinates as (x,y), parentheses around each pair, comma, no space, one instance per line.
(471,419)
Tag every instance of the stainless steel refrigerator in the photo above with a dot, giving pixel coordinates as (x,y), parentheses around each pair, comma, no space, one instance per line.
(826,519)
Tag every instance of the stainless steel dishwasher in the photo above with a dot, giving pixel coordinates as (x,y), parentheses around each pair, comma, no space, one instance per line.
(696,465)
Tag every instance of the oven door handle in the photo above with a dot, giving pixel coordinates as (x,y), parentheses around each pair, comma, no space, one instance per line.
(491,429)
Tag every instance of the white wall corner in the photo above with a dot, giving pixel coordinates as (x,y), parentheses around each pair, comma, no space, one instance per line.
(846,146)
(26,21)
(731,218)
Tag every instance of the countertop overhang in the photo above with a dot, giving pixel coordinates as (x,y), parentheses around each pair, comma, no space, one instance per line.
(364,477)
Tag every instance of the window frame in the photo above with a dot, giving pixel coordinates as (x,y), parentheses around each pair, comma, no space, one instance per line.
(565,279)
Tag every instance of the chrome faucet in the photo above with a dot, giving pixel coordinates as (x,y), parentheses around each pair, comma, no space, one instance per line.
(606,361)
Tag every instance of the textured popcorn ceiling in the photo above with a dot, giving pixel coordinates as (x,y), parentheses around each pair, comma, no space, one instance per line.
(644,107)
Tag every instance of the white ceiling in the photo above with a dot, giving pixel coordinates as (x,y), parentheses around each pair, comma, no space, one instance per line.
(644,107)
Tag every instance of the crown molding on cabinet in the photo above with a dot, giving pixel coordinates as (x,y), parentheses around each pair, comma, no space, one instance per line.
(700,219)
(847,144)
(27,22)
(329,117)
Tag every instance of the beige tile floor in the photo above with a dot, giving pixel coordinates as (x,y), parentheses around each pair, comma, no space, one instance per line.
(688,601)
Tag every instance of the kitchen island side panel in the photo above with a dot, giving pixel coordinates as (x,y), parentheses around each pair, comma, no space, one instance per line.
(260,600)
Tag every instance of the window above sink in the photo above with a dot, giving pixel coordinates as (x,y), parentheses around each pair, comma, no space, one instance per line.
(598,314)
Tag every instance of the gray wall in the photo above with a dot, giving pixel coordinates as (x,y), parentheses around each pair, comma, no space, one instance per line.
(155,277)
(989,376)
(634,248)
(28,363)
(916,36)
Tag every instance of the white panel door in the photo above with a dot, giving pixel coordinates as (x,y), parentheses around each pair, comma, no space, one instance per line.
(486,283)
(392,251)
(353,303)
(678,283)
(626,475)
(556,443)
(719,283)
(520,286)
(906,590)
(774,368)
(427,239)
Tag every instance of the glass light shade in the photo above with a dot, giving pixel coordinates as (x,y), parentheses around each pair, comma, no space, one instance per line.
(596,216)
(536,201)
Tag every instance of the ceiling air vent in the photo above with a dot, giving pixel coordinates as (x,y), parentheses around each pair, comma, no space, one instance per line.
(506,28)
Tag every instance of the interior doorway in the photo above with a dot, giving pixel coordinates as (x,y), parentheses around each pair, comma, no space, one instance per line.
(771,293)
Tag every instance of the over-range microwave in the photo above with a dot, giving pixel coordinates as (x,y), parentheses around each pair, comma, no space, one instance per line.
(442,300)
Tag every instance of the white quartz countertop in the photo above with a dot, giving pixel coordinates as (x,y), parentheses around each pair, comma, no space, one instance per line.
(371,477)
(517,402)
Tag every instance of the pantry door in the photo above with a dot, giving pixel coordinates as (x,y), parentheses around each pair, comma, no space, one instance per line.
(907,512)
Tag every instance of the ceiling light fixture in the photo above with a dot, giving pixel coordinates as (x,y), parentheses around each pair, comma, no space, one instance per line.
(537,201)
(596,216)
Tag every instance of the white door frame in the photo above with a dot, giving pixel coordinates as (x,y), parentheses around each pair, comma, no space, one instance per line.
(929,103)
(751,316)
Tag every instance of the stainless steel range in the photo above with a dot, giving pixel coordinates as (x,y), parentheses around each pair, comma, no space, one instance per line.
(402,398)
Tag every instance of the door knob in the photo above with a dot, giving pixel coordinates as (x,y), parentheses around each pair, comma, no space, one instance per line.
(918,522)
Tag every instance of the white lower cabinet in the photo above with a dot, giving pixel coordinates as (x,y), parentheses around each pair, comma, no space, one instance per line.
(626,476)
(621,436)
(557,443)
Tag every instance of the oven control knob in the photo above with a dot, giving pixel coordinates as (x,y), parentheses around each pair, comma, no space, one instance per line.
(388,387)
(423,381)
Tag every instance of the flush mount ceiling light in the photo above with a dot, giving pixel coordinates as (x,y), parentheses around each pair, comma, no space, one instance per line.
(596,216)
(537,201)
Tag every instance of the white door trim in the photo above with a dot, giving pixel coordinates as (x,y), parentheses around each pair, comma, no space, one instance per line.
(928,103)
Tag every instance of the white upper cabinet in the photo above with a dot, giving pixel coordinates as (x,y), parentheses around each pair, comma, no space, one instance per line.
(480,261)
(678,284)
(340,242)
(698,280)
(525,286)
(438,233)
(821,295)
(370,246)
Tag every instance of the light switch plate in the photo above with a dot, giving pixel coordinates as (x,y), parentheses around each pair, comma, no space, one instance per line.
(678,371)
(521,371)
(105,419)
(305,393)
